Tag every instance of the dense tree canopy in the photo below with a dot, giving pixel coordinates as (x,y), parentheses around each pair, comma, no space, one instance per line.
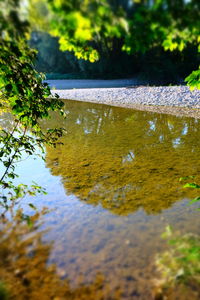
(93,30)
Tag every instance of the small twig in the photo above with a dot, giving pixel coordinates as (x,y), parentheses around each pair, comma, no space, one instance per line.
(13,157)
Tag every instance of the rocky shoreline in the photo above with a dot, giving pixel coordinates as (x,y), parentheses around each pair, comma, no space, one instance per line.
(176,100)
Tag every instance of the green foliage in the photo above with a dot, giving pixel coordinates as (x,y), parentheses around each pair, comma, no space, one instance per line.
(10,200)
(181,263)
(90,28)
(195,200)
(4,295)
(104,31)
(192,185)
(154,67)
(193,80)
(24,95)
(85,27)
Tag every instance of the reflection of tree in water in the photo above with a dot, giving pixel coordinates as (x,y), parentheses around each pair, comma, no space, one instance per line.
(125,159)
(24,271)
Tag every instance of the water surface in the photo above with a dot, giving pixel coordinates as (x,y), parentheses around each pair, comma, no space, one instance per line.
(113,187)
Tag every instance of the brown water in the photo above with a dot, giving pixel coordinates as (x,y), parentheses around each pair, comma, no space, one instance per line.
(113,187)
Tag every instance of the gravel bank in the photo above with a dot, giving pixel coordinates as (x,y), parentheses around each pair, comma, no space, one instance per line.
(178,100)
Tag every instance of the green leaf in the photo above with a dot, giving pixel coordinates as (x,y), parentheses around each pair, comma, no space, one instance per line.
(194,200)
(186,177)
(192,185)
(32,206)
(168,232)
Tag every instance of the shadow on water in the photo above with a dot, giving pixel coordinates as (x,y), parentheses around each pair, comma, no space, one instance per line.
(125,159)
(25,274)
(124,168)
(120,170)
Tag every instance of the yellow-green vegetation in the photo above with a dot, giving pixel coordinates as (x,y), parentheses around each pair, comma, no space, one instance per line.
(107,30)
(92,28)
(124,159)
(179,266)
(193,185)
(141,24)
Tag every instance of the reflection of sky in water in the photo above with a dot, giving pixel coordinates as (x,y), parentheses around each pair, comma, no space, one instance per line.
(89,239)
(176,142)
(171,126)
(152,125)
(129,157)
(161,138)
(34,170)
(87,131)
(106,227)
(185,130)
(78,121)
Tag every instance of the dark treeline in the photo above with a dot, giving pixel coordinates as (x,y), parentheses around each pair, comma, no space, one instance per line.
(155,66)
(129,37)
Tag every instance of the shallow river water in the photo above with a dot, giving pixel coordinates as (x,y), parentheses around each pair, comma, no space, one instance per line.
(113,186)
